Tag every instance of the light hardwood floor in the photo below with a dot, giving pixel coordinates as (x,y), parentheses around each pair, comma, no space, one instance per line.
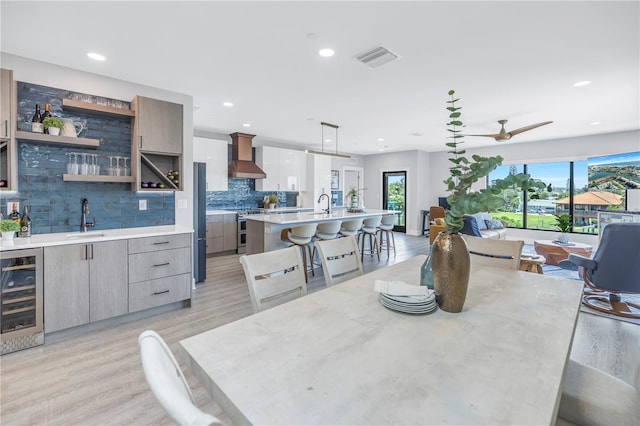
(95,378)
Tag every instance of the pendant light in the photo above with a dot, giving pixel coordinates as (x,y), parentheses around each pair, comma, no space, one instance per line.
(322,151)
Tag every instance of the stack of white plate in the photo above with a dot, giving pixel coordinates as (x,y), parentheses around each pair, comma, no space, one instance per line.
(410,304)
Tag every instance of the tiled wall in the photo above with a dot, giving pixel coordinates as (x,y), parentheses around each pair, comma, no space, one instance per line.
(55,205)
(242,195)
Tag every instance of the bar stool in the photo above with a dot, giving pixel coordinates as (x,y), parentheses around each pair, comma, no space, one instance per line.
(385,229)
(301,236)
(326,231)
(370,228)
(351,228)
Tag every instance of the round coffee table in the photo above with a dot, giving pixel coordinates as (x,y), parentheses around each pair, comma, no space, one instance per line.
(555,252)
(532,263)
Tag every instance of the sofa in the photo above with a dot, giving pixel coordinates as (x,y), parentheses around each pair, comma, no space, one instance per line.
(483,225)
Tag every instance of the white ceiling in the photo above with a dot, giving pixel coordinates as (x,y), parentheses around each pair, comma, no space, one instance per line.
(505,59)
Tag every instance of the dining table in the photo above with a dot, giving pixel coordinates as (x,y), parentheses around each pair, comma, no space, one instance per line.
(338,356)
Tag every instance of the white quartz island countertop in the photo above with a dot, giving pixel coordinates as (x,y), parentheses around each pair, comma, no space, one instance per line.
(311,217)
(62,238)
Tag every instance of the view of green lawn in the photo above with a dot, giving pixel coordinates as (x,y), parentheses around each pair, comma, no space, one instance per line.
(537,221)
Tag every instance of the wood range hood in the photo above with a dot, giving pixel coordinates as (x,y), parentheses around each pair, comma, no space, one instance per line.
(242,165)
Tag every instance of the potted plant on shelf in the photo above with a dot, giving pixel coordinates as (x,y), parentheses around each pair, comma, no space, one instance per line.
(450,284)
(8,228)
(273,200)
(564,225)
(53,125)
(353,197)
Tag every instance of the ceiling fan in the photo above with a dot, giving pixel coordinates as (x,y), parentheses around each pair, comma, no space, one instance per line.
(503,135)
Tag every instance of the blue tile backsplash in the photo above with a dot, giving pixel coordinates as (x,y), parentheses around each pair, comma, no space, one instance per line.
(55,205)
(242,195)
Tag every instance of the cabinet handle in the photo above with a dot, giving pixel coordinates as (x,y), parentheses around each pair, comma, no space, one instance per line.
(162,264)
(91,251)
(86,252)
(6,128)
(140,146)
(161,242)
(160,292)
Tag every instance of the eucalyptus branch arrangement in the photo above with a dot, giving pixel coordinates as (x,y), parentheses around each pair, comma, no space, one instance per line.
(464,173)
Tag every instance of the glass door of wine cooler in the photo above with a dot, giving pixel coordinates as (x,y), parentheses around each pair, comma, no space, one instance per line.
(21,308)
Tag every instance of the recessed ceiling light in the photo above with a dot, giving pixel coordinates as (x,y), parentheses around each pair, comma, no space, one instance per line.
(381,150)
(96,56)
(327,140)
(380,139)
(326,52)
(594,123)
(228,104)
(581,83)
(246,125)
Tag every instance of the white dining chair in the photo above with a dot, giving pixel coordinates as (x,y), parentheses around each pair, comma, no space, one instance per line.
(593,397)
(167,382)
(274,277)
(340,259)
(491,252)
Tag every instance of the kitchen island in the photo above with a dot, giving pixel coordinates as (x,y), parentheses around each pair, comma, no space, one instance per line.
(263,230)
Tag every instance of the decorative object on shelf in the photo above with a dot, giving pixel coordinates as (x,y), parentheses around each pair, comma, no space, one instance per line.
(323,140)
(52,125)
(174,177)
(450,261)
(273,201)
(36,121)
(70,128)
(564,225)
(335,179)
(353,198)
(8,228)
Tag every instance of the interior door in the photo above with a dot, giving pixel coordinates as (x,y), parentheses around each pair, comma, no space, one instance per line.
(394,195)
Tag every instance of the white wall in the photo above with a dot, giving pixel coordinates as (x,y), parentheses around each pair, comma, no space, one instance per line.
(46,74)
(569,149)
(416,164)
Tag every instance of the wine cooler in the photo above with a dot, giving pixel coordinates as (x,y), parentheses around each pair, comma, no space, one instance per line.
(21,308)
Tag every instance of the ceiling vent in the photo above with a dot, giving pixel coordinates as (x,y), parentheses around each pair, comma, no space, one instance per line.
(376,57)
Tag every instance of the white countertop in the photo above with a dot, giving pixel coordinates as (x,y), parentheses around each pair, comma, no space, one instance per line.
(216,212)
(310,217)
(63,238)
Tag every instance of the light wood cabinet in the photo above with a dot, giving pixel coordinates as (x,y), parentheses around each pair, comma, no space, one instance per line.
(214,153)
(8,147)
(84,283)
(222,233)
(159,270)
(158,126)
(285,168)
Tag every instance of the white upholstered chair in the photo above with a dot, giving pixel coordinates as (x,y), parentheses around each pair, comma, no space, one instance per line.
(593,397)
(491,252)
(340,259)
(351,227)
(274,277)
(301,236)
(326,231)
(385,229)
(167,382)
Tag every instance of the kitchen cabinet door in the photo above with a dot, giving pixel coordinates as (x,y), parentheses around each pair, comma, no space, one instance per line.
(158,125)
(285,169)
(214,153)
(66,287)
(6,104)
(230,238)
(109,286)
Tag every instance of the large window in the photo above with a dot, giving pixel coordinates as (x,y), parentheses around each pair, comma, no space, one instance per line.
(569,195)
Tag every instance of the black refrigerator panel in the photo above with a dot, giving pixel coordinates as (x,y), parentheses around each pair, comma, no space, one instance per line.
(199,222)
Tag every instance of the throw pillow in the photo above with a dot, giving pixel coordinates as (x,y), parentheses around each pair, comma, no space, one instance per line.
(494,224)
(480,221)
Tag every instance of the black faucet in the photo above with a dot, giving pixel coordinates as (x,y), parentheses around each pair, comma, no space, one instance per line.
(85,211)
(328,209)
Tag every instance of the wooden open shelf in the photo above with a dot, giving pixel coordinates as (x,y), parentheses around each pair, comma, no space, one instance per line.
(159,173)
(79,106)
(57,140)
(97,178)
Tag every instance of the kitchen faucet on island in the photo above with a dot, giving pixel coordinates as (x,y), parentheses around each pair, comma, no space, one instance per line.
(328,209)
(85,211)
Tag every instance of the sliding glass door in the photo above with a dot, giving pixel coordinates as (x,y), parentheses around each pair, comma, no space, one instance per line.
(394,196)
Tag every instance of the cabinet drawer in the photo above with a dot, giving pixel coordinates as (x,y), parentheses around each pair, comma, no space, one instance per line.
(149,266)
(149,294)
(164,242)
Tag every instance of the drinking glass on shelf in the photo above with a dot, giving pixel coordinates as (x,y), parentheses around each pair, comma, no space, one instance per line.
(118,169)
(95,167)
(84,167)
(126,171)
(109,167)
(72,165)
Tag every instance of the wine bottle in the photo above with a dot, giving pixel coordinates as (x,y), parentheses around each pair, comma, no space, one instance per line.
(36,121)
(25,224)
(15,214)
(45,114)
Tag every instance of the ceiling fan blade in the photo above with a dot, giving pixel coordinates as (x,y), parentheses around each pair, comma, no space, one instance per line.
(525,128)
